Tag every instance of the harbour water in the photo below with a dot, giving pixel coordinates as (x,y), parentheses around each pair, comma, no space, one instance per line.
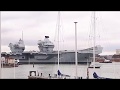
(110,70)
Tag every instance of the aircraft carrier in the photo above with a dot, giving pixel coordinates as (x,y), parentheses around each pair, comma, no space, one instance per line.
(46,54)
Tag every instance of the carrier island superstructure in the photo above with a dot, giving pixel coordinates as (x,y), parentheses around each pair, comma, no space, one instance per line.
(46,54)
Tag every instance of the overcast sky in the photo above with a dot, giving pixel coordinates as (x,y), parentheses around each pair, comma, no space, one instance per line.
(37,24)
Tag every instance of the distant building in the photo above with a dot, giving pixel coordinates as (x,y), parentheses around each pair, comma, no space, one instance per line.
(106,56)
(118,51)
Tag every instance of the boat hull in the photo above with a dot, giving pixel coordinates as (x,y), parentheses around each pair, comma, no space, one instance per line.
(105,62)
(51,58)
(93,67)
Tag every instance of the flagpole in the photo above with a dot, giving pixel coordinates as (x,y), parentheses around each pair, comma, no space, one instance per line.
(76,62)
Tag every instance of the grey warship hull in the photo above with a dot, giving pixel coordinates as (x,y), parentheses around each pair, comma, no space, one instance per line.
(51,58)
(46,54)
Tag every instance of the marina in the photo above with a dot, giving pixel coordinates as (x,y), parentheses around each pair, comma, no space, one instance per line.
(48,60)
(110,70)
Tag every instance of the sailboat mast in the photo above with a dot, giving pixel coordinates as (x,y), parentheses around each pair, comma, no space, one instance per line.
(94,39)
(0,45)
(76,47)
(58,36)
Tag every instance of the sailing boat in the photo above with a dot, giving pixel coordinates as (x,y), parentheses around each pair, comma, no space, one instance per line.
(59,74)
(98,65)
(98,77)
(94,64)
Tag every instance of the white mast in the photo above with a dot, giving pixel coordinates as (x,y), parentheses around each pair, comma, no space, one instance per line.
(76,48)
(0,44)
(58,36)
(94,39)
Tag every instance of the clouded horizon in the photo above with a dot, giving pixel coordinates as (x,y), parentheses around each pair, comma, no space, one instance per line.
(37,24)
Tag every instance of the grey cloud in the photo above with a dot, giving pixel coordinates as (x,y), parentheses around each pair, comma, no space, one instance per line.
(31,42)
(41,16)
(111,47)
(38,24)
(5,42)
(5,30)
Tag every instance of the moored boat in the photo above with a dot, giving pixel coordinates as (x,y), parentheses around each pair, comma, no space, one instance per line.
(96,65)
(9,62)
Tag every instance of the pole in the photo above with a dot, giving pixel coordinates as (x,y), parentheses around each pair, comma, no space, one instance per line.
(87,70)
(14,68)
(0,44)
(76,47)
(58,37)
(94,42)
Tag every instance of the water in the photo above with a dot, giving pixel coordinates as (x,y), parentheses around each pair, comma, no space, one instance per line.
(110,70)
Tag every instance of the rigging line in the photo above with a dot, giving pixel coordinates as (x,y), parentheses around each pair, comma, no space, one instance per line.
(89,36)
(108,43)
(94,37)
(56,29)
(98,34)
(87,39)
(61,32)
(59,20)
(104,31)
(90,33)
(98,29)
(62,29)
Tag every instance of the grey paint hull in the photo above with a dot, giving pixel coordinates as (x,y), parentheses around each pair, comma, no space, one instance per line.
(51,58)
